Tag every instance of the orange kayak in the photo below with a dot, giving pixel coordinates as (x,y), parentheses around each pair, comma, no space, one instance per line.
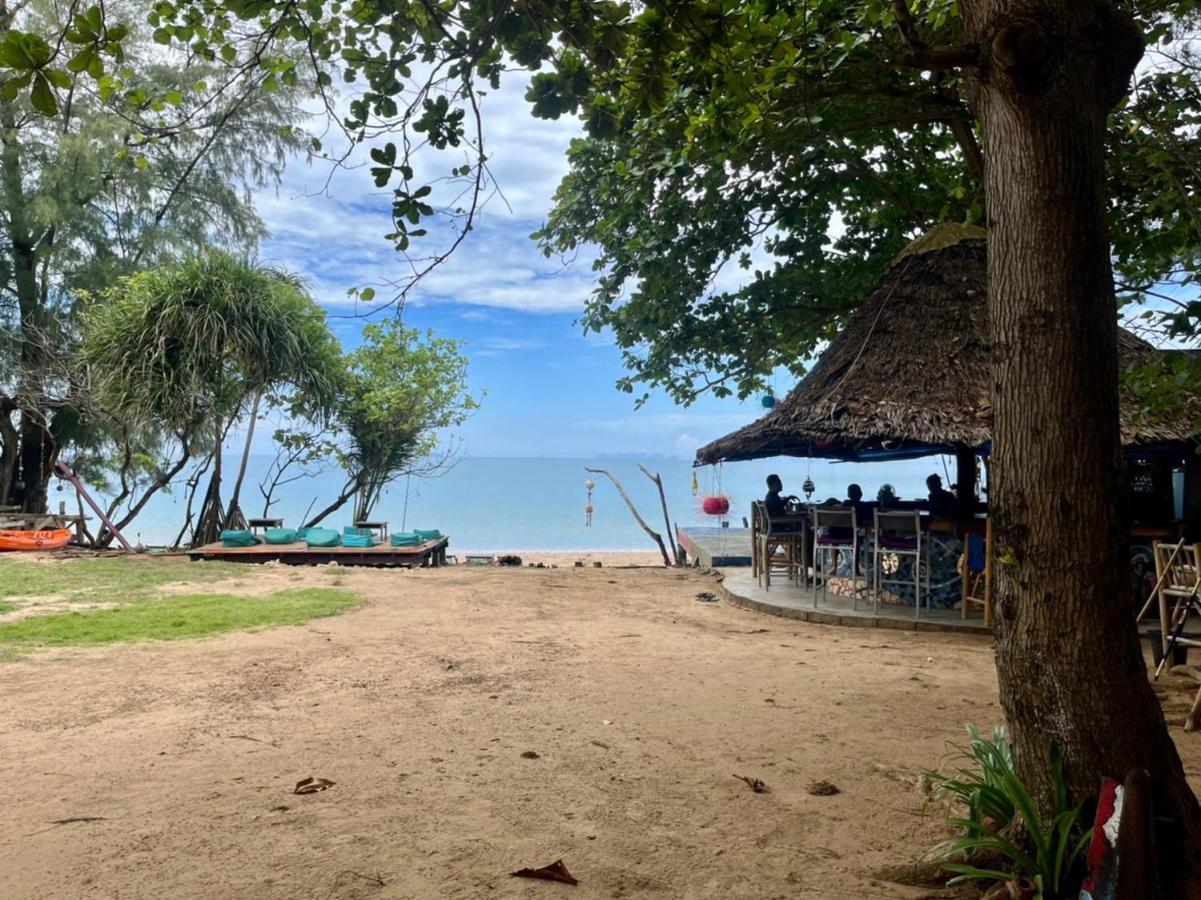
(34,540)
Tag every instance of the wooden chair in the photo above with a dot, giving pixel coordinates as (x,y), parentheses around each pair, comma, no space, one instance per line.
(977,577)
(775,549)
(899,534)
(1178,579)
(835,532)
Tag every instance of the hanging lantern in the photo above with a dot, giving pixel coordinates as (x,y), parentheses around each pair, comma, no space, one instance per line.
(717,505)
(808,488)
(589,486)
(768,401)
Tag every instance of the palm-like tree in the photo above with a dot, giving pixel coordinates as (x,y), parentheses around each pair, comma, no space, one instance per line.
(194,345)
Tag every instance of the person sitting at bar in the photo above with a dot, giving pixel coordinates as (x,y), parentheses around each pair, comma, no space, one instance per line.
(943,504)
(863,511)
(777,506)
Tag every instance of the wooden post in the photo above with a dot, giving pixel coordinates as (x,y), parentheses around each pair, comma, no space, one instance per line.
(965,482)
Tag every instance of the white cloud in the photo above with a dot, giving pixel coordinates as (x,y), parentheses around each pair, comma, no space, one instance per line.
(329,224)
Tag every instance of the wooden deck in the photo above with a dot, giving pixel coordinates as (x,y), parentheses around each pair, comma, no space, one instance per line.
(430,553)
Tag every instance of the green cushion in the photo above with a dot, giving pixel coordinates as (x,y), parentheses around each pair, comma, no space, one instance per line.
(432,535)
(322,537)
(405,539)
(238,539)
(281,536)
(358,540)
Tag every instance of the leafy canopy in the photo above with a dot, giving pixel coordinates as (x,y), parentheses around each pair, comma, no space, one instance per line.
(749,167)
(185,344)
(402,392)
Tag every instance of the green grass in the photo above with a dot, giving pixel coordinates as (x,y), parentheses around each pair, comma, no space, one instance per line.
(112,579)
(6,607)
(171,618)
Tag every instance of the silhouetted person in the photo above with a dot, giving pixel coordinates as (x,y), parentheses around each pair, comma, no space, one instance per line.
(943,504)
(777,505)
(863,511)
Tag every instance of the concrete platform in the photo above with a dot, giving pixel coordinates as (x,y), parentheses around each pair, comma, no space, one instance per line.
(714,548)
(740,588)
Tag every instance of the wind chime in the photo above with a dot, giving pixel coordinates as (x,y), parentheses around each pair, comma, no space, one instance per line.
(589,486)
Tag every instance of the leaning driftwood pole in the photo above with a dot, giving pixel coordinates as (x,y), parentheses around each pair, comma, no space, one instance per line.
(654,535)
(675,553)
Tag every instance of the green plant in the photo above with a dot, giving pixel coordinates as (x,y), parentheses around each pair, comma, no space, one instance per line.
(980,789)
(1051,852)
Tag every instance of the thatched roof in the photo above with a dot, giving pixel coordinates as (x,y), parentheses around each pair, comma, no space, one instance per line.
(908,375)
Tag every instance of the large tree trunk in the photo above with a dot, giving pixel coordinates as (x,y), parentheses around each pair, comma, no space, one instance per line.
(1070,667)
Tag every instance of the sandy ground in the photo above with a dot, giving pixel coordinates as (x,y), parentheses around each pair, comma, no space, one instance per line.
(478,720)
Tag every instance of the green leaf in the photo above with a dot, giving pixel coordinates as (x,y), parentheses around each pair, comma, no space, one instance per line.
(58,78)
(42,96)
(81,60)
(367,294)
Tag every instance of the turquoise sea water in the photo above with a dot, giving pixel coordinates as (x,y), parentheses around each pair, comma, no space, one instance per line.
(497,504)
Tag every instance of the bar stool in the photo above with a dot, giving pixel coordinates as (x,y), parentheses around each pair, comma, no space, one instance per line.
(769,540)
(835,531)
(899,534)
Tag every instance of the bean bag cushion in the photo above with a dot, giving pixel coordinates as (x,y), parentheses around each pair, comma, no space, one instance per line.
(405,539)
(322,537)
(234,538)
(281,536)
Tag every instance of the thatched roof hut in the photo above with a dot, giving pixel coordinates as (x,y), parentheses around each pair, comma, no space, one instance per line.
(908,375)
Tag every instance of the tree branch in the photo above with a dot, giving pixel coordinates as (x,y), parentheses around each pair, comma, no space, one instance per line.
(936,58)
(654,535)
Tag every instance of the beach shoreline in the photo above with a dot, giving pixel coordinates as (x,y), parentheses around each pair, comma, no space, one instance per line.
(568,558)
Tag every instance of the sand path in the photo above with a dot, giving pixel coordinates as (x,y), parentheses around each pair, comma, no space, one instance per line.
(171,765)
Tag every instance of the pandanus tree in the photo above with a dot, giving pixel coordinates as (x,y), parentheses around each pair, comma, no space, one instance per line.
(192,346)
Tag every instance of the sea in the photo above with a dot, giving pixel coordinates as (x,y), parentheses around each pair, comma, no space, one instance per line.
(498,504)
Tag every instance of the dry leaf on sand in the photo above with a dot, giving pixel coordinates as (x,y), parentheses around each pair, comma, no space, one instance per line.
(556,871)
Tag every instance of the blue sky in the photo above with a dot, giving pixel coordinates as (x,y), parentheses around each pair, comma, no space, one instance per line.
(549,388)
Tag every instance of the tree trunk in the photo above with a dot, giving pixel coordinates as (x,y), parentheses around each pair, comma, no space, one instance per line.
(235,517)
(1068,658)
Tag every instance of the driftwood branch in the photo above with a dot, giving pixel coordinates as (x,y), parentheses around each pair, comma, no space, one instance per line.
(675,552)
(654,535)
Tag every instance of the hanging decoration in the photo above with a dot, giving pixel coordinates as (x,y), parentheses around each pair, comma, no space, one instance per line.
(589,486)
(768,401)
(714,502)
(695,487)
(808,487)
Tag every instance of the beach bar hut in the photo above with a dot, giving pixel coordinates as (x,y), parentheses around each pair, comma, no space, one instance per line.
(908,377)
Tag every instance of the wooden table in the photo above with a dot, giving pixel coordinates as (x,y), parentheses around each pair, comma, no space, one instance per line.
(381,527)
(255,524)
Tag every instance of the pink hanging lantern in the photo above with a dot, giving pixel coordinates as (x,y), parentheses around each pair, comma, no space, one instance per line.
(716,505)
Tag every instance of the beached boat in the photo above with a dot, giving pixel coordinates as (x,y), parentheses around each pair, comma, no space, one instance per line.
(34,540)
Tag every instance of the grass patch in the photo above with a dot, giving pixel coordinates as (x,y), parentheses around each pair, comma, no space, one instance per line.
(112,579)
(6,607)
(172,618)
